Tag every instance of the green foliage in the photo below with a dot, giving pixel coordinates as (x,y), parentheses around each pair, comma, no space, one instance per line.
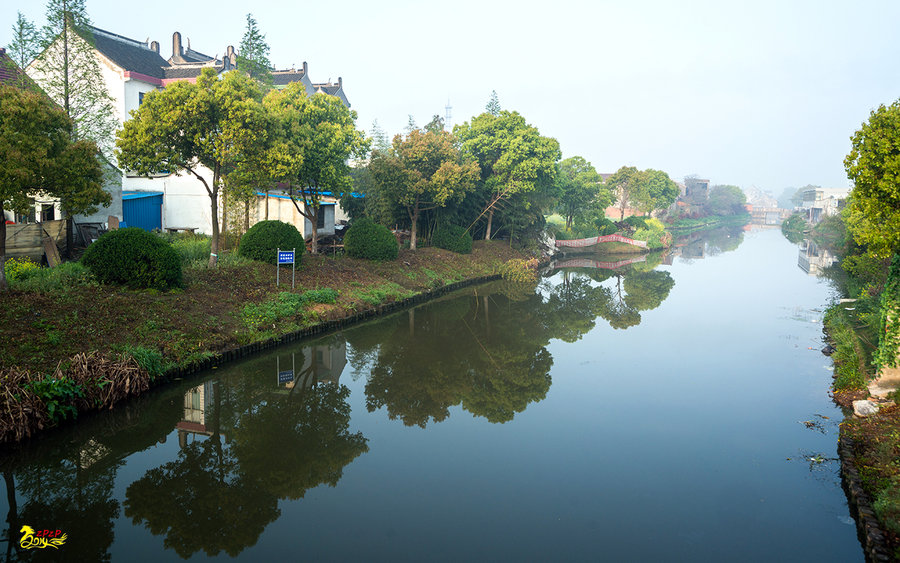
(262,239)
(368,240)
(605,226)
(519,270)
(149,359)
(579,187)
(285,305)
(380,294)
(55,280)
(873,165)
(453,238)
(887,505)
(253,54)
(190,247)
(23,47)
(850,355)
(889,333)
(726,200)
(20,268)
(792,228)
(134,257)
(636,221)
(58,395)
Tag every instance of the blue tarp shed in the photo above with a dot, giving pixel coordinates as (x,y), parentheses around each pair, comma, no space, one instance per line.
(142,209)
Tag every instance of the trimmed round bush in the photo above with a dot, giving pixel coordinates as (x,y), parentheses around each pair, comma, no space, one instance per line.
(605,227)
(453,238)
(135,258)
(262,240)
(369,240)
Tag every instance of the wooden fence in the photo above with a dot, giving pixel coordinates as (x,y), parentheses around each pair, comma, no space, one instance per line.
(27,239)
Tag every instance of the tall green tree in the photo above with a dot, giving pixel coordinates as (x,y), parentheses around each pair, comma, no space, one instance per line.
(579,187)
(493,105)
(424,171)
(69,72)
(253,54)
(726,200)
(515,159)
(24,47)
(313,139)
(625,183)
(37,155)
(873,165)
(215,123)
(652,190)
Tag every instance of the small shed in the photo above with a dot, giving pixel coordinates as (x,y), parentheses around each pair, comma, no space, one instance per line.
(142,209)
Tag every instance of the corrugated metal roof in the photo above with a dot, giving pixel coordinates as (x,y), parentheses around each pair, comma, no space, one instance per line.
(138,195)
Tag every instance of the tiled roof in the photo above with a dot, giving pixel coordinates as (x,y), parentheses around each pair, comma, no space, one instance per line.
(285,77)
(10,73)
(188,71)
(129,54)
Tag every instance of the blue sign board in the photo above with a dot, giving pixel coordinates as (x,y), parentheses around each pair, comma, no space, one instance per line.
(285,376)
(286,257)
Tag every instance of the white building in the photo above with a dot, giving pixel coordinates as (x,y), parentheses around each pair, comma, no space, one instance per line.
(819,203)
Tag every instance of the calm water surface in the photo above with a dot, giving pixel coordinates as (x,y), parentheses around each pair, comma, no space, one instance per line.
(669,409)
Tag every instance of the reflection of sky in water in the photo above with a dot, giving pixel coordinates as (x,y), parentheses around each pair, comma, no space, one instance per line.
(682,437)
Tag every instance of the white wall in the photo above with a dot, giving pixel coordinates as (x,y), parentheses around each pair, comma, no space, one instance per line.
(185,200)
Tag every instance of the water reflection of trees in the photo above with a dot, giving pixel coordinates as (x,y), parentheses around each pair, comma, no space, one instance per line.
(265,443)
(485,351)
(701,244)
(246,441)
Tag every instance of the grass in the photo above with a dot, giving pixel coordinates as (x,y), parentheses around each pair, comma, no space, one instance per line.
(851,336)
(380,294)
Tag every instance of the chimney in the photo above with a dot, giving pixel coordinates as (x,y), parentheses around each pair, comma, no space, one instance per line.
(176,45)
(305,69)
(154,46)
(340,82)
(230,58)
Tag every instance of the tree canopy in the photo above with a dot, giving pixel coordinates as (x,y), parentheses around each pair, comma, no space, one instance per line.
(514,158)
(312,139)
(726,200)
(214,123)
(37,155)
(873,165)
(579,187)
(253,54)
(423,171)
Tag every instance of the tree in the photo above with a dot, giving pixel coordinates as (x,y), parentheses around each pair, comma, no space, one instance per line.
(253,54)
(493,105)
(726,200)
(873,165)
(314,137)
(69,72)
(37,155)
(624,182)
(424,171)
(24,46)
(652,190)
(215,123)
(436,124)
(513,156)
(579,186)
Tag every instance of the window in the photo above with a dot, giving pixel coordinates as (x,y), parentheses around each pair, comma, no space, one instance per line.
(140,98)
(320,219)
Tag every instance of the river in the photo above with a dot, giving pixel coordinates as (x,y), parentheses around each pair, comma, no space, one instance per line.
(671,409)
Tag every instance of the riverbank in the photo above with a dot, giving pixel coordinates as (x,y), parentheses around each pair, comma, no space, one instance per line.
(220,314)
(869,448)
(682,226)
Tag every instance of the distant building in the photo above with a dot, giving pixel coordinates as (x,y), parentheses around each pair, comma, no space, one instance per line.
(819,203)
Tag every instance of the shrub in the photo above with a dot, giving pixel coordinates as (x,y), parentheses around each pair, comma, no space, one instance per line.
(262,240)
(605,227)
(453,238)
(369,240)
(20,268)
(519,270)
(636,222)
(191,248)
(134,257)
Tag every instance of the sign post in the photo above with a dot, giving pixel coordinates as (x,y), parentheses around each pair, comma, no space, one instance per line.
(285,257)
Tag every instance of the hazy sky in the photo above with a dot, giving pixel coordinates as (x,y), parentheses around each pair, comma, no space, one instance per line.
(763,93)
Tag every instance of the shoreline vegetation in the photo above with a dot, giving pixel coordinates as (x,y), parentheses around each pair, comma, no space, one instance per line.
(73,347)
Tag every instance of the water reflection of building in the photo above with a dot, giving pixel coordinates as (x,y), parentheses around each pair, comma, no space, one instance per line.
(813,259)
(198,403)
(768,215)
(324,361)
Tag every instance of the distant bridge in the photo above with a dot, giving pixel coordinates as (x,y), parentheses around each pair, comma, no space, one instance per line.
(583,242)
